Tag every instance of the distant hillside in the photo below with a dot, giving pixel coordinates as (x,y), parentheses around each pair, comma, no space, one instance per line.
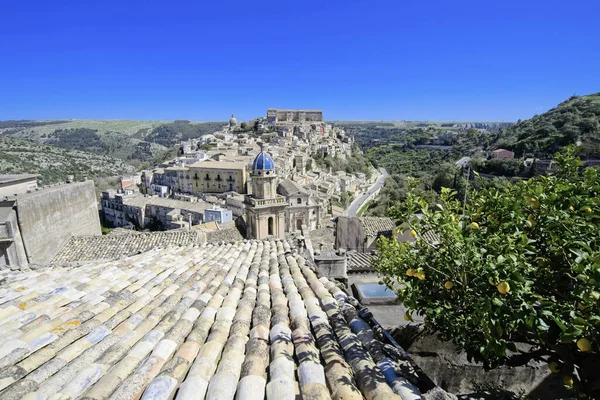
(54,164)
(133,141)
(575,120)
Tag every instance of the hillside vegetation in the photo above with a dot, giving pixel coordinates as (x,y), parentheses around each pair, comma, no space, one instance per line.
(430,152)
(54,164)
(574,120)
(137,142)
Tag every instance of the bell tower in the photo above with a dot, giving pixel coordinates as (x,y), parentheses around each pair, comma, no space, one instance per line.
(265,209)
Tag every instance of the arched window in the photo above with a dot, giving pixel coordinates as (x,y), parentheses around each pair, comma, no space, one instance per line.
(270,225)
(299,224)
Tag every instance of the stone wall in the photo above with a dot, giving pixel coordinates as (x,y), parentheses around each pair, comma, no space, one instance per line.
(48,218)
(450,369)
(349,234)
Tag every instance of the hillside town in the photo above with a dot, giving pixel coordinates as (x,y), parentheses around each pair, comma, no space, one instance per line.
(216,177)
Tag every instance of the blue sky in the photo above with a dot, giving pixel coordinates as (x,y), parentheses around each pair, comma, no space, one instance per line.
(359,60)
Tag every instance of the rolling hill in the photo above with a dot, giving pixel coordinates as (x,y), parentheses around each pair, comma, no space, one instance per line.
(574,121)
(136,142)
(54,164)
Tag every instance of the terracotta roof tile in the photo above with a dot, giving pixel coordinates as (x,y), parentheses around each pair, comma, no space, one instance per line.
(110,247)
(248,320)
(375,226)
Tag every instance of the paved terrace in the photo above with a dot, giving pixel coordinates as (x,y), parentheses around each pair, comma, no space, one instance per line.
(249,320)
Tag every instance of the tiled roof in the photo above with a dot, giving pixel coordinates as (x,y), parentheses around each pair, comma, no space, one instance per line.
(229,234)
(89,248)
(249,320)
(359,262)
(375,226)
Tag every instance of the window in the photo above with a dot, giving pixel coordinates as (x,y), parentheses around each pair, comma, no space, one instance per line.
(270,225)
(299,200)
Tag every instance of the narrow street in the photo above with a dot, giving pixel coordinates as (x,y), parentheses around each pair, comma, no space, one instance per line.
(360,200)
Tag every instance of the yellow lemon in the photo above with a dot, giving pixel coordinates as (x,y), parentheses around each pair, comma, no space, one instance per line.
(584,345)
(420,275)
(448,285)
(410,272)
(554,367)
(503,287)
(474,225)
(568,380)
(587,210)
(571,208)
(534,202)
(413,233)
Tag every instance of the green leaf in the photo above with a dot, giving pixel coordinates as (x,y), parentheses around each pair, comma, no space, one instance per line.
(560,324)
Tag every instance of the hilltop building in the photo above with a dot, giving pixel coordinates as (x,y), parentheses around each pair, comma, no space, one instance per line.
(232,123)
(275,116)
(265,209)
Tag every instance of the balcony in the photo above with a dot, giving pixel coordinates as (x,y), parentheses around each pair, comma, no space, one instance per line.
(280,200)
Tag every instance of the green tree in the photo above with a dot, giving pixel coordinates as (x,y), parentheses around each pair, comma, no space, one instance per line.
(518,274)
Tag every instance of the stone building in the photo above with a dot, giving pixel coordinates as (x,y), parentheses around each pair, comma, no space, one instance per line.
(232,123)
(217,177)
(502,153)
(141,212)
(275,116)
(265,209)
(302,208)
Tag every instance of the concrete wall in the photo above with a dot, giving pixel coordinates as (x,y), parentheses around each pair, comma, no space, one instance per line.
(18,187)
(349,234)
(48,218)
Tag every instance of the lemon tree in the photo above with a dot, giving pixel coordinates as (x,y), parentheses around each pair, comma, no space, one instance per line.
(513,274)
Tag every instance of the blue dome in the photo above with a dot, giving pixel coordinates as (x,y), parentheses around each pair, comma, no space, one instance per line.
(263,162)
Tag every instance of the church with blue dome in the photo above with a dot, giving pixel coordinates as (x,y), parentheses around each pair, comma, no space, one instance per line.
(265,209)
(263,162)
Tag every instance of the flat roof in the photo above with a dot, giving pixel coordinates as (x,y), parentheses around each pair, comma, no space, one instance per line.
(8,178)
(5,210)
(142,201)
(219,164)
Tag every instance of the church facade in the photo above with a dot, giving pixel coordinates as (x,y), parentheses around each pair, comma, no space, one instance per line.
(265,209)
